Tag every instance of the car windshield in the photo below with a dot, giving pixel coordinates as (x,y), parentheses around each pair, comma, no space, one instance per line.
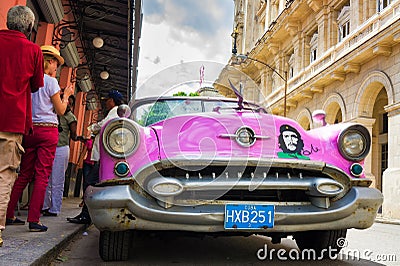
(147,113)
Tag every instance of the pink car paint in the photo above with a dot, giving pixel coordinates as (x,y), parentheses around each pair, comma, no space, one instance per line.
(200,136)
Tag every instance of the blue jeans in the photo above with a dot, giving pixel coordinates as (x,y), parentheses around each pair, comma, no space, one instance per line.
(91,179)
(86,169)
(55,187)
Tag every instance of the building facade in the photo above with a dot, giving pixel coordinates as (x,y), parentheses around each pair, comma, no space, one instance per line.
(342,56)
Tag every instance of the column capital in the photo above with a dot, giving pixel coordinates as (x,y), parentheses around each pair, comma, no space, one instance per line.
(393,109)
(315,5)
(366,121)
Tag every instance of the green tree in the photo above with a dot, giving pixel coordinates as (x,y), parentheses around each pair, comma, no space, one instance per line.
(180,93)
(157,112)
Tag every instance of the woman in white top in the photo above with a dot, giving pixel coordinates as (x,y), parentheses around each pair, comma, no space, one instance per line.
(40,147)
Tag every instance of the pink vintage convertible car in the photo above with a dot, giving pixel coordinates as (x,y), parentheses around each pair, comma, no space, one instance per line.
(224,166)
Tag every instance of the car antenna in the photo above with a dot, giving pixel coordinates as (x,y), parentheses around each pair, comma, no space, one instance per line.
(238,95)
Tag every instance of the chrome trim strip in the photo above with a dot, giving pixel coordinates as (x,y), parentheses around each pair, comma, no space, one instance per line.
(308,184)
(235,136)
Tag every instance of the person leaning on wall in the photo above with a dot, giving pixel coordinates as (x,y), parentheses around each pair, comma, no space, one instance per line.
(40,148)
(21,72)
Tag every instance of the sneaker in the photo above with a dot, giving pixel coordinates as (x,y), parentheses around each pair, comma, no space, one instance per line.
(80,219)
(48,213)
(37,227)
(1,240)
(15,221)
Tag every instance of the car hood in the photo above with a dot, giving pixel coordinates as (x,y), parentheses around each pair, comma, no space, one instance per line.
(209,137)
(212,135)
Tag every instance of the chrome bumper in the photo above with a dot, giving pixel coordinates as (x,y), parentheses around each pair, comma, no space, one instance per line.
(120,207)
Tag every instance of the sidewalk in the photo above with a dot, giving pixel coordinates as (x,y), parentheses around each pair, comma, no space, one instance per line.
(384,220)
(22,247)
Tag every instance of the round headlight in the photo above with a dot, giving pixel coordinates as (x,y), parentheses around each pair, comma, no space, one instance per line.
(354,143)
(120,138)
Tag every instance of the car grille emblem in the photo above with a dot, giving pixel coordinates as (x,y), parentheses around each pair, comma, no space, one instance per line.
(244,136)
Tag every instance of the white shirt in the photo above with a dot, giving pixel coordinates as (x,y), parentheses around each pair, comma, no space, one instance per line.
(42,106)
(96,127)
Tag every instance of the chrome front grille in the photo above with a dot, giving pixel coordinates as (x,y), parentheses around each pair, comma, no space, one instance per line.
(239,173)
(271,195)
(273,182)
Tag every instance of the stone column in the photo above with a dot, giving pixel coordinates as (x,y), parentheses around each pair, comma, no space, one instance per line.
(326,29)
(391,176)
(304,50)
(297,46)
(357,13)
(249,90)
(265,90)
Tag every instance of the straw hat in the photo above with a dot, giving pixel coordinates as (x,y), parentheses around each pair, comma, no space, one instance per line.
(51,50)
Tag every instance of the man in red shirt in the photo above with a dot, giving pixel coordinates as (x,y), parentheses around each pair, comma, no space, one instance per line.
(21,72)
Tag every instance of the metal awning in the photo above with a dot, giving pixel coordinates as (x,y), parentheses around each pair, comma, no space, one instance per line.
(117,23)
(112,21)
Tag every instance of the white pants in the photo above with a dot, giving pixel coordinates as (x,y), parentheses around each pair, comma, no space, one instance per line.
(55,188)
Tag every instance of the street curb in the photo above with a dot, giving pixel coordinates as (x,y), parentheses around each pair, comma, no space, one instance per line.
(383,220)
(52,254)
(22,247)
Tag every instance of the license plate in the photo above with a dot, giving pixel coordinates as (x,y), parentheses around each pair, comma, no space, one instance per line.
(249,216)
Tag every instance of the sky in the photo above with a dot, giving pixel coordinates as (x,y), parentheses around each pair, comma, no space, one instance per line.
(178,37)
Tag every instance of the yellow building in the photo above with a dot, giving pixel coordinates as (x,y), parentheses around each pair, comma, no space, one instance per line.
(342,56)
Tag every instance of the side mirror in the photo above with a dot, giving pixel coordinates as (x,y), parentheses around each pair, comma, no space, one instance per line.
(318,117)
(124,110)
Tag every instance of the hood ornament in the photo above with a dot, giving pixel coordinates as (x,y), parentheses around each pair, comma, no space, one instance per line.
(238,95)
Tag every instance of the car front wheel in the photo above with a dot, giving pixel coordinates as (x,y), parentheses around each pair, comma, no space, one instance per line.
(114,246)
(324,243)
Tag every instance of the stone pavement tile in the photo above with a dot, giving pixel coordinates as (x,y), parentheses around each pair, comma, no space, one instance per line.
(22,247)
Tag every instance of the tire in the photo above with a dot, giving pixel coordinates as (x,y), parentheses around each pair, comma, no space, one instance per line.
(323,243)
(115,246)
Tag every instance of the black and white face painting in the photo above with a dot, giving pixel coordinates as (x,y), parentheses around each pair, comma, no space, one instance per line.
(290,138)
